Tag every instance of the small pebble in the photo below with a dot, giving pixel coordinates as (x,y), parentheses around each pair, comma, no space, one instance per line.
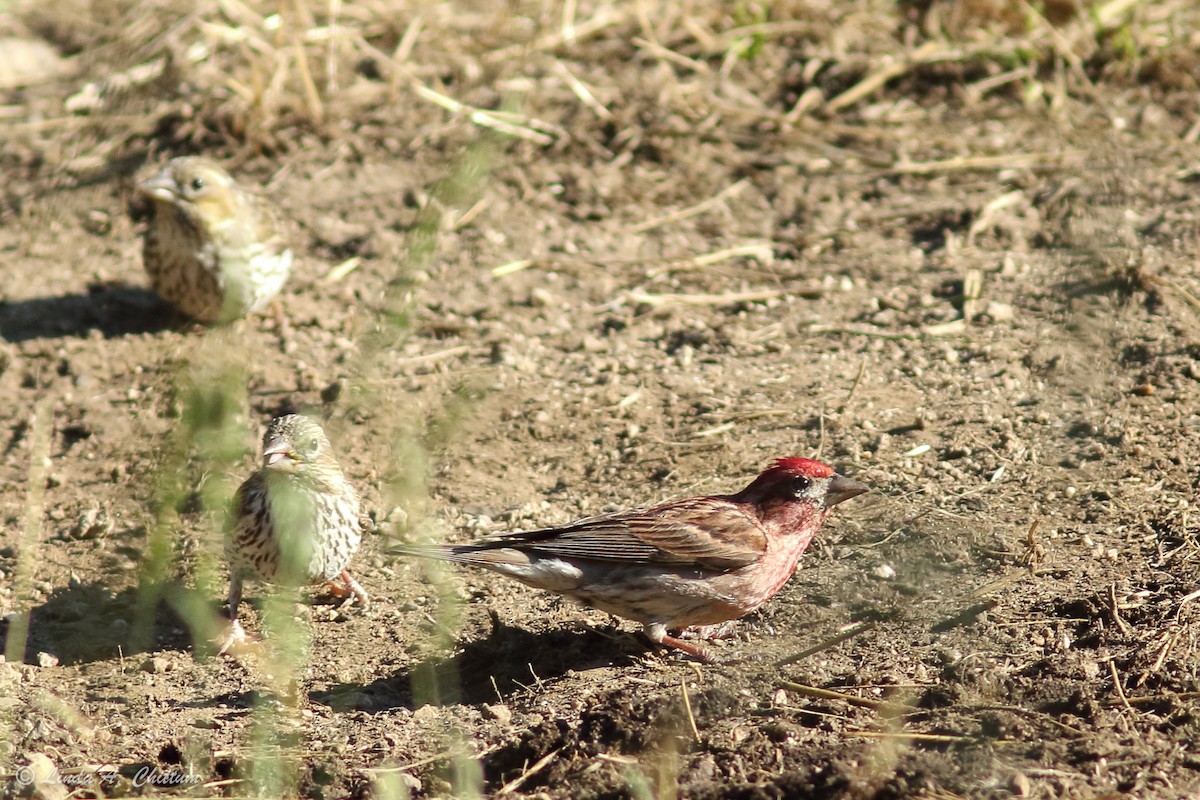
(885,572)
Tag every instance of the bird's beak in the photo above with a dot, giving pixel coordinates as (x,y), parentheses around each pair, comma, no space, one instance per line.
(160,187)
(279,455)
(842,488)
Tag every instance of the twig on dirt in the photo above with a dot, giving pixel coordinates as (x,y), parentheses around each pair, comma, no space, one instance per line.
(1188,598)
(731,298)
(1169,641)
(982,222)
(502,122)
(484,119)
(948,738)
(976,91)
(728,192)
(833,641)
(408,40)
(963,163)
(760,251)
(341,270)
(470,214)
(1115,612)
(1187,296)
(420,762)
(581,91)
(1116,678)
(687,706)
(667,54)
(714,431)
(1113,13)
(537,767)
(875,81)
(512,266)
(312,96)
(817,693)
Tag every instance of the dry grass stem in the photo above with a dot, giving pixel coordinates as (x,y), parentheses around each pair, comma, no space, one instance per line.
(930,51)
(984,163)
(730,298)
(537,767)
(817,693)
(340,271)
(28,545)
(833,641)
(728,192)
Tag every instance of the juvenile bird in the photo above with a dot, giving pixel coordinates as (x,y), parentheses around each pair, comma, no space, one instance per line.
(296,520)
(212,249)
(686,564)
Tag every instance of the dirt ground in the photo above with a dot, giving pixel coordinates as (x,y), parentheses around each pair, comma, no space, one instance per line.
(950,248)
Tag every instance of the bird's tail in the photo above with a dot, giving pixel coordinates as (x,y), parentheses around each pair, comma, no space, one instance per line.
(477,555)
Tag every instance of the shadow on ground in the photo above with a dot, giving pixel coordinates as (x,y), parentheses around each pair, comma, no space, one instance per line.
(85,622)
(114,311)
(510,660)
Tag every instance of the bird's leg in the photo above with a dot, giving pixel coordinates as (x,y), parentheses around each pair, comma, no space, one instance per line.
(352,587)
(657,633)
(235,635)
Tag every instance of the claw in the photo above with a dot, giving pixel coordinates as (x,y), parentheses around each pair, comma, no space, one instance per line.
(235,639)
(351,588)
(657,633)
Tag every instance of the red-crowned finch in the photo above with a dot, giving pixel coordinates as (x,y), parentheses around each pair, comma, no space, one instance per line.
(296,520)
(212,249)
(696,562)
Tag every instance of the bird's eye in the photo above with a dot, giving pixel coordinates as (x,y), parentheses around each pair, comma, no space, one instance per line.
(800,485)
(311,444)
(197,184)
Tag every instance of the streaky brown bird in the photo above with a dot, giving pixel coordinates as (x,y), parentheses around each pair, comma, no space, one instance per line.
(213,249)
(295,521)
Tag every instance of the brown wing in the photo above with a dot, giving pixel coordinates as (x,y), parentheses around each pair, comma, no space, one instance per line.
(708,533)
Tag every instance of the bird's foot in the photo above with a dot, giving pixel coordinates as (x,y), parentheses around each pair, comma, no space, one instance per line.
(351,590)
(701,654)
(236,641)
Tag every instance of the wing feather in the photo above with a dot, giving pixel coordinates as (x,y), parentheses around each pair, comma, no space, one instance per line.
(707,533)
